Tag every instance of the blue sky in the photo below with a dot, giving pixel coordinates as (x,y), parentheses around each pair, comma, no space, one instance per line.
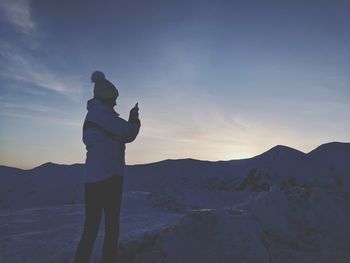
(215,80)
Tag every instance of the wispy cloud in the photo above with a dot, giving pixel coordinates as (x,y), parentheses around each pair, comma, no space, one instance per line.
(18,65)
(43,119)
(21,63)
(17,13)
(13,105)
(30,111)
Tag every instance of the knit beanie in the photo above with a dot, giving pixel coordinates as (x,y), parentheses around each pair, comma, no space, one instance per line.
(104,89)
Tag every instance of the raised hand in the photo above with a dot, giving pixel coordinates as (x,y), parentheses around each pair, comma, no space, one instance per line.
(134,112)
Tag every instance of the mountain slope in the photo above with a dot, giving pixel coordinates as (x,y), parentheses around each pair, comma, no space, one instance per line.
(54,184)
(332,154)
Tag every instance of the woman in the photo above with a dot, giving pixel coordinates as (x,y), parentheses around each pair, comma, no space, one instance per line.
(105,135)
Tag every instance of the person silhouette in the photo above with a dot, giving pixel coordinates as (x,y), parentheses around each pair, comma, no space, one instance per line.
(104,135)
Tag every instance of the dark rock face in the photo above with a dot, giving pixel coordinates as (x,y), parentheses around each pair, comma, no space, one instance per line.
(255,181)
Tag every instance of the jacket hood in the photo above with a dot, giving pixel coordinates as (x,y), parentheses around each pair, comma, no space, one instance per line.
(97,104)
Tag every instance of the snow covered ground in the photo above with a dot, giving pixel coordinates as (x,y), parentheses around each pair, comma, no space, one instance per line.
(282,206)
(263,227)
(51,234)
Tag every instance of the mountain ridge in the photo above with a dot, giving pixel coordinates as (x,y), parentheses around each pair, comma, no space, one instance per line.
(53,184)
(275,150)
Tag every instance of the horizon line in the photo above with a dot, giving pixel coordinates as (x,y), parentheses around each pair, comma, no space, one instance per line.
(185,158)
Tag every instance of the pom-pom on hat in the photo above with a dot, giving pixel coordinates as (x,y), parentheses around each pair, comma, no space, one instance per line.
(104,89)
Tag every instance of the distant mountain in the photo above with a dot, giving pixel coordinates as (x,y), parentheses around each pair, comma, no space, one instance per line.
(333,153)
(53,184)
(280,206)
(280,152)
(10,170)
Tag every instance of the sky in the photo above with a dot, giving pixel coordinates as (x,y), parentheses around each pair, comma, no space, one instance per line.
(215,80)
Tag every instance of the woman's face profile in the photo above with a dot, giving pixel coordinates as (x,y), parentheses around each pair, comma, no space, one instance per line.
(113,102)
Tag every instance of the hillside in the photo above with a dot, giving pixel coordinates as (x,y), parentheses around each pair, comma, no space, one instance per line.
(281,206)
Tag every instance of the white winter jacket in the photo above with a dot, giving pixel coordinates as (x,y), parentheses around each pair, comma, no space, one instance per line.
(105,135)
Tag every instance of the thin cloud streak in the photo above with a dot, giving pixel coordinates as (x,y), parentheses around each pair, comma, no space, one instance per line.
(16,65)
(42,119)
(29,111)
(18,14)
(10,104)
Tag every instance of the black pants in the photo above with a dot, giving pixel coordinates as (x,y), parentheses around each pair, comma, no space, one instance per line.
(104,195)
